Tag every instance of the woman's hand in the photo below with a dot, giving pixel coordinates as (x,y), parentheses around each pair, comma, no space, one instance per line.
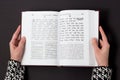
(17,45)
(101,54)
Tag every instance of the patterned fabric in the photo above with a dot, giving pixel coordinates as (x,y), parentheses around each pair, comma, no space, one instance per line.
(101,73)
(14,71)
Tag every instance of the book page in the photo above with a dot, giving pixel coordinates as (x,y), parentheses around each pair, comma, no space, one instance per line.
(93,31)
(40,30)
(73,38)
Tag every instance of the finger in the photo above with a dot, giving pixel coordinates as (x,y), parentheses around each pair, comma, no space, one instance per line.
(95,45)
(22,46)
(19,37)
(16,35)
(22,43)
(101,43)
(104,38)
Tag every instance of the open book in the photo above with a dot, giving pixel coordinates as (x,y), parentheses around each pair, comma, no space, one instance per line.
(59,38)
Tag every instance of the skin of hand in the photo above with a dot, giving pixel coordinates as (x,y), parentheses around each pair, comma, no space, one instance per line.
(101,54)
(17,45)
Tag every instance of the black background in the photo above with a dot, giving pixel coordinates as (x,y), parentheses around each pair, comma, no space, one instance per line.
(10,18)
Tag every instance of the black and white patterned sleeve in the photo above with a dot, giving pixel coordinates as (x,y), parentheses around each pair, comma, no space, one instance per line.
(14,71)
(101,73)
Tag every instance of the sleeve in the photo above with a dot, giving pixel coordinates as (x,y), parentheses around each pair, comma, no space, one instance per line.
(101,73)
(14,71)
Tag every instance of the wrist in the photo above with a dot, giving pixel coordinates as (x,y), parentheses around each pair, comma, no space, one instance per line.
(102,62)
(15,59)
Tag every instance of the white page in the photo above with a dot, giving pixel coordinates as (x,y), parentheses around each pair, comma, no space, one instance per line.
(73,38)
(40,30)
(94,24)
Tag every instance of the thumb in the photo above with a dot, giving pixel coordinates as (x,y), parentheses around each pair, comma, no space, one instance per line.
(95,45)
(22,42)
